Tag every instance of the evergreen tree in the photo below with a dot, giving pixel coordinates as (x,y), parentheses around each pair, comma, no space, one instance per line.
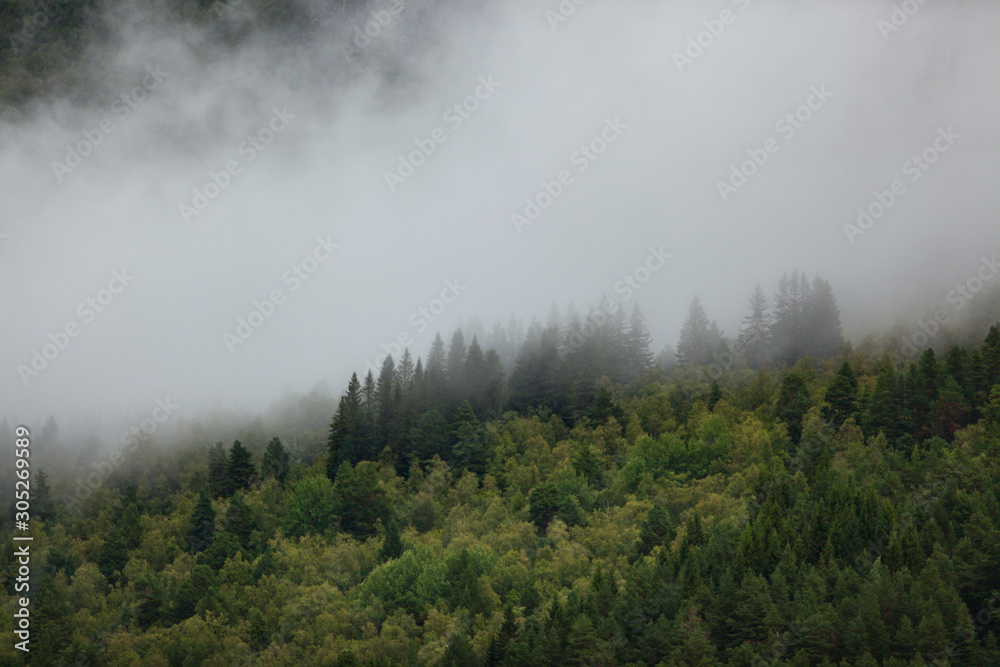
(392,545)
(240,520)
(386,410)
(790,311)
(842,396)
(348,439)
(218,463)
(274,462)
(405,374)
(714,395)
(434,373)
(822,335)
(455,365)
(694,347)
(202,531)
(429,437)
(360,500)
(793,403)
(755,334)
(240,472)
(41,500)
(639,358)
(114,555)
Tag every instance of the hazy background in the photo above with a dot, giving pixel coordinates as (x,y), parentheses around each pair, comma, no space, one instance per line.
(323,176)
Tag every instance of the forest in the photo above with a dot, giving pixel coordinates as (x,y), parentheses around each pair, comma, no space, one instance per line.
(554,495)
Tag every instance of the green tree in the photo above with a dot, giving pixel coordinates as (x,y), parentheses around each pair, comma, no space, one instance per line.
(218,463)
(202,530)
(360,499)
(240,520)
(310,506)
(793,403)
(274,462)
(841,396)
(697,340)
(114,555)
(240,471)
(392,545)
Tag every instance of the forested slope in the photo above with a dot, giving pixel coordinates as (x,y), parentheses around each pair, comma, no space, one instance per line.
(838,512)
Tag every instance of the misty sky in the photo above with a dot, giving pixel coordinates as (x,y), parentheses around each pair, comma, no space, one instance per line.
(336,126)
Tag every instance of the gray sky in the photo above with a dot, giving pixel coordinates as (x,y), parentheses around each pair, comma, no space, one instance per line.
(609,68)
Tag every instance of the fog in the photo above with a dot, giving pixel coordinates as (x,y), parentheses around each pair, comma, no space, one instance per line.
(671,124)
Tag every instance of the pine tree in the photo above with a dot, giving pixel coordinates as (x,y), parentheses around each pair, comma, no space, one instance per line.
(455,365)
(714,395)
(434,373)
(639,358)
(475,375)
(694,347)
(202,531)
(240,520)
(755,334)
(405,374)
(788,330)
(41,498)
(842,396)
(348,439)
(274,462)
(392,545)
(113,555)
(240,472)
(360,499)
(793,403)
(386,407)
(218,481)
(822,334)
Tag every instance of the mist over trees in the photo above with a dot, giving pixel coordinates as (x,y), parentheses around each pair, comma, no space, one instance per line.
(733,473)
(803,320)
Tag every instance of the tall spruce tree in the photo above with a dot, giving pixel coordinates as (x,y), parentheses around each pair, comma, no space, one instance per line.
(240,471)
(202,530)
(638,356)
(694,347)
(755,334)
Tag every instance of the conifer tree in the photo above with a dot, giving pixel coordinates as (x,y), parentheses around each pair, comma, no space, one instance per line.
(793,403)
(240,472)
(274,462)
(218,463)
(694,347)
(202,531)
(405,374)
(639,358)
(755,334)
(841,396)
